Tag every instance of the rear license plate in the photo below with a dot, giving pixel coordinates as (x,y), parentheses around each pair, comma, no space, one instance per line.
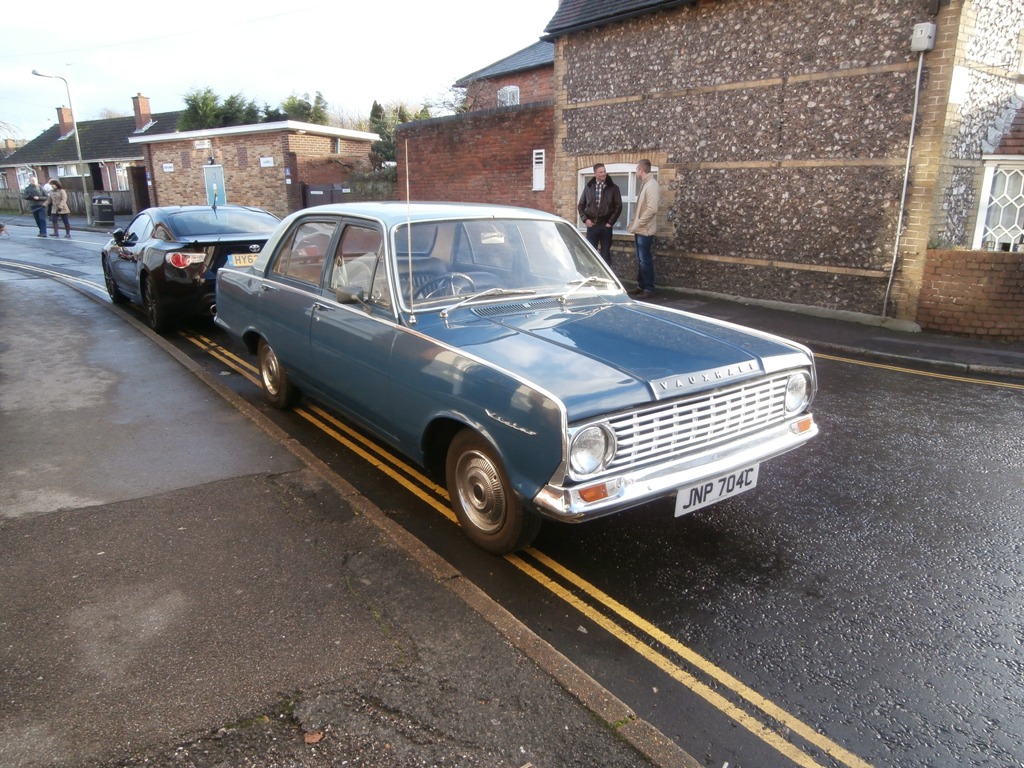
(242,259)
(693,497)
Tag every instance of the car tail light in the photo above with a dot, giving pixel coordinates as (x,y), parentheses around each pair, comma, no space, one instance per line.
(182,259)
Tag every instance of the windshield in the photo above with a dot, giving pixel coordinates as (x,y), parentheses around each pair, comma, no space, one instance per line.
(453,260)
(221,221)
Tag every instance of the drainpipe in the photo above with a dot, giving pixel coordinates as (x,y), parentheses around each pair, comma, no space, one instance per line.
(906,183)
(923,40)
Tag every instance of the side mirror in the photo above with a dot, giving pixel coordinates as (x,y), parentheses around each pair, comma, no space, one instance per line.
(118,235)
(350,294)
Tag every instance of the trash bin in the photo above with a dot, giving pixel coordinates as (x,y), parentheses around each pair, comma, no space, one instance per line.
(103,210)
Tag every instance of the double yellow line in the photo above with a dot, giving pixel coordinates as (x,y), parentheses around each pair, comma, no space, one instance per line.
(758,715)
(926,374)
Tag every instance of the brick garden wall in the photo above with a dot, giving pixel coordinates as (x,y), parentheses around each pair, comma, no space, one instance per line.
(482,157)
(973,293)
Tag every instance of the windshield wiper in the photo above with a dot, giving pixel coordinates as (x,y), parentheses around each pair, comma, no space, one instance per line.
(484,294)
(580,283)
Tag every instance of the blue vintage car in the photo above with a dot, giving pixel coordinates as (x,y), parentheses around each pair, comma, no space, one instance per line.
(494,347)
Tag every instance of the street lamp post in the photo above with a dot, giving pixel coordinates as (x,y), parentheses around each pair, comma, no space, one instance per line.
(78,144)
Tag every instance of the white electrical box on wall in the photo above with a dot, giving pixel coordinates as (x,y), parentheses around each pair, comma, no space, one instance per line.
(923,38)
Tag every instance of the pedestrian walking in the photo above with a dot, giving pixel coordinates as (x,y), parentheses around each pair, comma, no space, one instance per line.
(643,227)
(599,207)
(58,205)
(37,201)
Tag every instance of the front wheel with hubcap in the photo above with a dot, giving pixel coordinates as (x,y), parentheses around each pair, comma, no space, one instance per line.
(483,499)
(277,387)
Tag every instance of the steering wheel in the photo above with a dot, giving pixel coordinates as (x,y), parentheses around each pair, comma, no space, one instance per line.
(352,273)
(454,284)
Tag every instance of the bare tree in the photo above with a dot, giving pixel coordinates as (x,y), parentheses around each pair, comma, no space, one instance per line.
(454,101)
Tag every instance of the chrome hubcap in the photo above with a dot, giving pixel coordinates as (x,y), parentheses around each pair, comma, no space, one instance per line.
(480,491)
(270,371)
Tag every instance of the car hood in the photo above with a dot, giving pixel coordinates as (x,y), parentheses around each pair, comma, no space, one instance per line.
(616,356)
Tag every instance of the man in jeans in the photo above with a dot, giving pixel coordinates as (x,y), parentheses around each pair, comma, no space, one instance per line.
(643,226)
(599,207)
(37,202)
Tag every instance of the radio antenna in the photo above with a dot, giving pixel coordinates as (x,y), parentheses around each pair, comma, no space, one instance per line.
(408,227)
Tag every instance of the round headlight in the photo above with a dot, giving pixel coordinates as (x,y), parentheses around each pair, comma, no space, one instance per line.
(798,392)
(591,449)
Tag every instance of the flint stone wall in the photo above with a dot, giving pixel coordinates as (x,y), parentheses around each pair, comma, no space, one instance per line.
(784,126)
(984,101)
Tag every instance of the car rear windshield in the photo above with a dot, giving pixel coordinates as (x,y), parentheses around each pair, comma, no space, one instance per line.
(224,221)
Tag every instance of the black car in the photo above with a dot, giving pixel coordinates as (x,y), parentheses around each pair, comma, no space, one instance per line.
(167,259)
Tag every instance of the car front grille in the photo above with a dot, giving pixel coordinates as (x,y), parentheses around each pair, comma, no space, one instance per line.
(680,426)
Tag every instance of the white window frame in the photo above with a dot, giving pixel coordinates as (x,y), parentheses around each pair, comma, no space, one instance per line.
(999,234)
(508,96)
(624,176)
(121,172)
(67,170)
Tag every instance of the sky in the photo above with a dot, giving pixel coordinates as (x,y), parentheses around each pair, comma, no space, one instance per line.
(351,52)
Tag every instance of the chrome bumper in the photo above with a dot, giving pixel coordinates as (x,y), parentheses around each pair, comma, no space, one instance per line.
(635,486)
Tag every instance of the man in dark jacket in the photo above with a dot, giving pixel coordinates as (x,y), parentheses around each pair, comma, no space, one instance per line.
(599,207)
(37,202)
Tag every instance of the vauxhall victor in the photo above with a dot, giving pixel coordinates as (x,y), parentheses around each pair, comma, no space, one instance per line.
(493,346)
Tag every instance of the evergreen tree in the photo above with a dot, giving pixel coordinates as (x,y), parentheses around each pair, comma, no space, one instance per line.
(383,122)
(299,108)
(201,110)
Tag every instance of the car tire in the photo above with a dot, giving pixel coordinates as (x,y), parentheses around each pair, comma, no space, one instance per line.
(277,387)
(482,497)
(116,297)
(156,314)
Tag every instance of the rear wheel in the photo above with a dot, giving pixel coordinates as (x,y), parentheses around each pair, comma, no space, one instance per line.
(483,499)
(155,311)
(277,387)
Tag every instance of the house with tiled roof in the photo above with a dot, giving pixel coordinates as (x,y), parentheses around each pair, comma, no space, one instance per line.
(110,163)
(145,160)
(524,77)
(498,150)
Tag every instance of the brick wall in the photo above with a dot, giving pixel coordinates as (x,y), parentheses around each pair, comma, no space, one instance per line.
(1012,142)
(973,293)
(534,85)
(483,157)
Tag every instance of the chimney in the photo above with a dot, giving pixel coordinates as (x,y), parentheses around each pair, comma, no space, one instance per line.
(143,116)
(64,120)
